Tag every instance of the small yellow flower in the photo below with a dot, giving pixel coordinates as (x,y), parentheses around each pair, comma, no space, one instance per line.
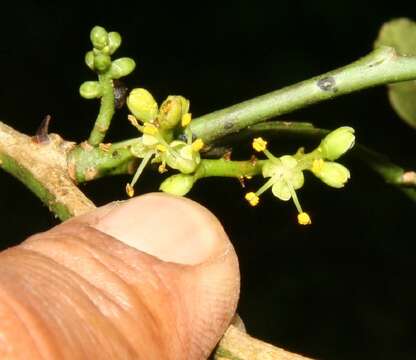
(197,145)
(161,148)
(304,219)
(252,198)
(129,190)
(259,144)
(186,119)
(317,165)
(149,129)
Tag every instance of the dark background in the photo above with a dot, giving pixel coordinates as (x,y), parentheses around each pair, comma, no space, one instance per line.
(340,289)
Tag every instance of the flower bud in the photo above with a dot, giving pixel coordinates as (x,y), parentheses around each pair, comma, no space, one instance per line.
(333,174)
(122,67)
(89,59)
(102,62)
(114,41)
(90,89)
(172,110)
(99,37)
(337,143)
(179,184)
(142,105)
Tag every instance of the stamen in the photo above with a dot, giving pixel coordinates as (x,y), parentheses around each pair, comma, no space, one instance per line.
(141,167)
(186,119)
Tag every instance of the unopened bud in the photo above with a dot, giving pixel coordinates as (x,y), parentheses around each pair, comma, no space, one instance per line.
(114,41)
(90,89)
(142,105)
(333,174)
(99,37)
(337,143)
(122,67)
(172,110)
(102,62)
(179,184)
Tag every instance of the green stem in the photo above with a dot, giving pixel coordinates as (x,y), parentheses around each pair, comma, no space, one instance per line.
(102,123)
(88,163)
(382,66)
(228,168)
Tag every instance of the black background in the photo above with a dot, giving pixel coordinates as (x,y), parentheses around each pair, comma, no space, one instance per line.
(340,289)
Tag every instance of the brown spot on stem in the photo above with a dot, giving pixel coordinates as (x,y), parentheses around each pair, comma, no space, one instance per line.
(229,124)
(90,173)
(227,155)
(86,146)
(327,84)
(409,178)
(253,160)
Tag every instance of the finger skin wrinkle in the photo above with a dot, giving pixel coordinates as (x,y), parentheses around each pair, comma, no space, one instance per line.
(10,310)
(67,324)
(127,284)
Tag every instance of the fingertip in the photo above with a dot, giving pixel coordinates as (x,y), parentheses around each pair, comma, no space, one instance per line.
(171,228)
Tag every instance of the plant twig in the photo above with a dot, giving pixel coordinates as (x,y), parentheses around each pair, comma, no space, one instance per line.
(42,167)
(237,345)
(106,112)
(381,66)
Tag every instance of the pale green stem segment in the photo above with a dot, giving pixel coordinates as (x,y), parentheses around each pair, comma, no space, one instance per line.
(228,168)
(381,66)
(102,123)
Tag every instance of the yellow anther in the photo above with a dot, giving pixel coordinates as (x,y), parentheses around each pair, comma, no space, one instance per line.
(317,165)
(133,120)
(161,148)
(149,129)
(259,144)
(252,198)
(304,219)
(248,177)
(186,119)
(197,145)
(129,190)
(162,168)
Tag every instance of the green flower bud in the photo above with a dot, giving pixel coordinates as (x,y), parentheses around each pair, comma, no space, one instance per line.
(114,41)
(102,62)
(99,37)
(90,90)
(171,111)
(337,143)
(179,184)
(142,105)
(122,67)
(89,59)
(333,174)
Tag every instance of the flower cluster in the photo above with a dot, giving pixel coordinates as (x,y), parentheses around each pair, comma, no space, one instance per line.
(157,144)
(285,173)
(99,60)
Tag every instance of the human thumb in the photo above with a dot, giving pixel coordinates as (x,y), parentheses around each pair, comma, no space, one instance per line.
(154,277)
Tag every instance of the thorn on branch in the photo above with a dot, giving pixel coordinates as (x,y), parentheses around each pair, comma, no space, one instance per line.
(41,135)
